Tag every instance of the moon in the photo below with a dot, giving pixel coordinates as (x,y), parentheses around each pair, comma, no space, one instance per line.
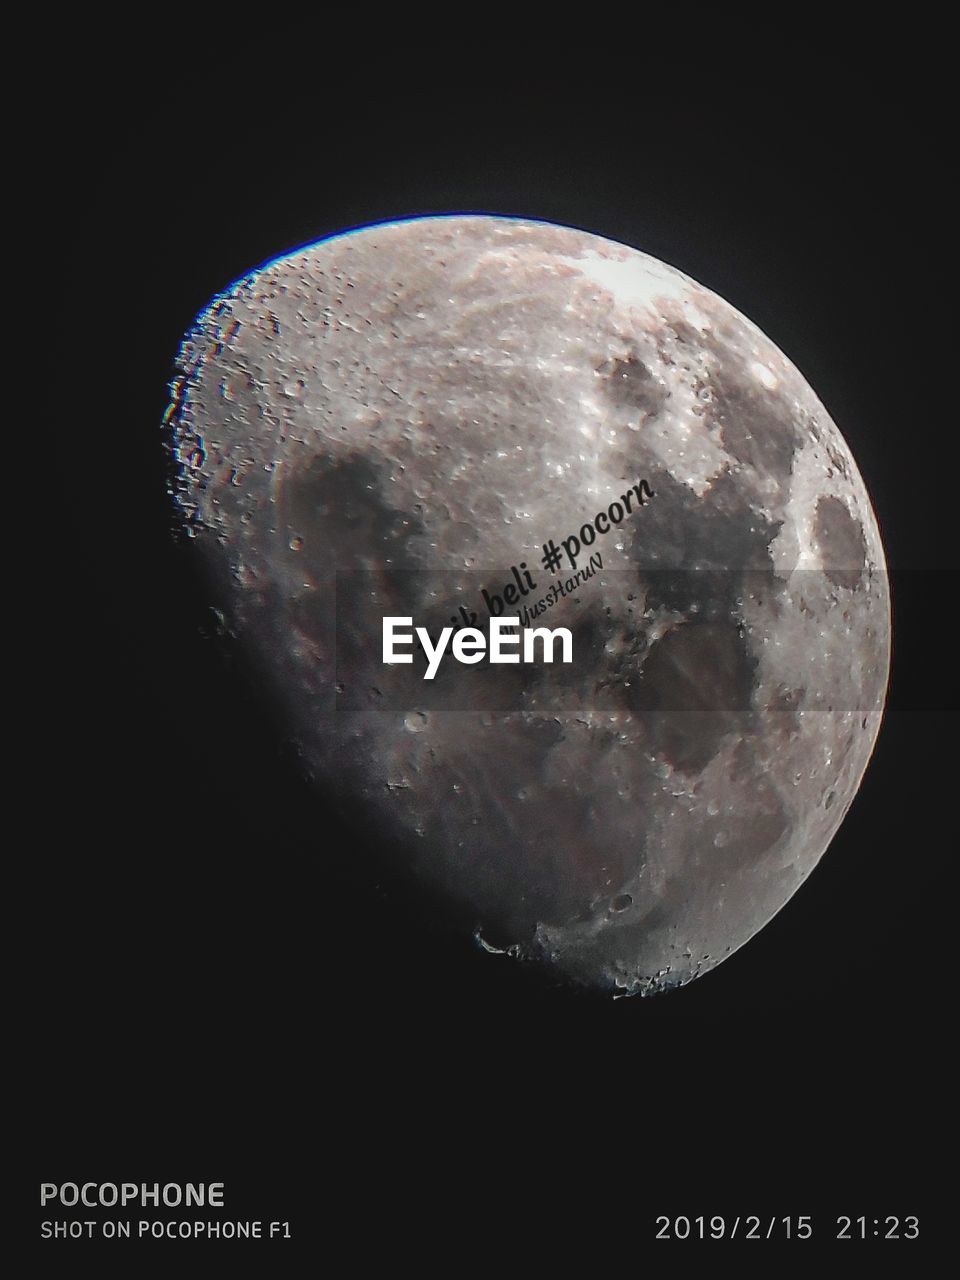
(393,421)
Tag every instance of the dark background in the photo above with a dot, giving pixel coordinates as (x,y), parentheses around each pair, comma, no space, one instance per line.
(231,986)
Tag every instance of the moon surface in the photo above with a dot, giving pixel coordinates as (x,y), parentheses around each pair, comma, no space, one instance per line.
(390,421)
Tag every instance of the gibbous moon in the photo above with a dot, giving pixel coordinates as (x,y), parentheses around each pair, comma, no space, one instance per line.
(402,420)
